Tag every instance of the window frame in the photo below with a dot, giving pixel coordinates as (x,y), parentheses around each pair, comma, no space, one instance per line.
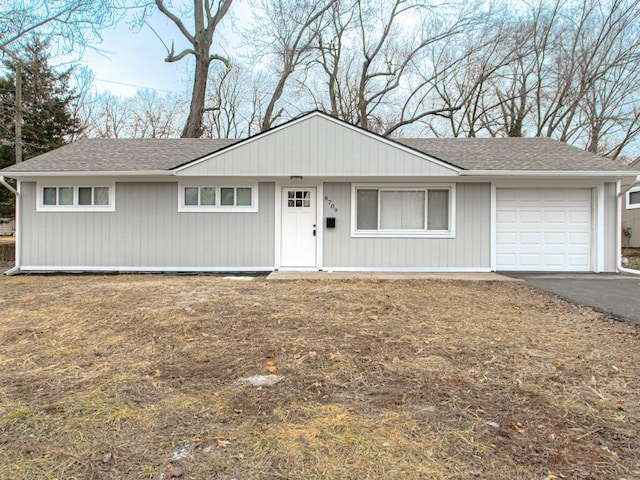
(629,205)
(218,196)
(75,205)
(402,233)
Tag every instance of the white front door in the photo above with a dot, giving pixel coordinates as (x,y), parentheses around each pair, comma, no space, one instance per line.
(299,227)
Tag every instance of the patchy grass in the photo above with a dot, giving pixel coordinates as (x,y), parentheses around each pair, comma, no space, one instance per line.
(137,377)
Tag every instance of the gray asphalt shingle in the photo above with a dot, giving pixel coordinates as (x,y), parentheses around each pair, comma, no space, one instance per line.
(129,155)
(537,153)
(121,155)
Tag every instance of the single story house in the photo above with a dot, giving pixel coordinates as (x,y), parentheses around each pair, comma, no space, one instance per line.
(317,193)
(631,212)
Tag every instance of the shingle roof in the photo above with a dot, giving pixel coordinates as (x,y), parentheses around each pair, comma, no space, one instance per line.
(140,155)
(121,155)
(537,153)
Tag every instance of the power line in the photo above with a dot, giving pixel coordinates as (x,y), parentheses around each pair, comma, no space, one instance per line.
(134,86)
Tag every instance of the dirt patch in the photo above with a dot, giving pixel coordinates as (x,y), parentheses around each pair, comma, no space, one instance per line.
(633,254)
(139,377)
(7,253)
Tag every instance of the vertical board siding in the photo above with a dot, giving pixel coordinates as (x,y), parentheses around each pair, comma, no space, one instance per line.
(146,230)
(610,211)
(470,249)
(631,219)
(317,147)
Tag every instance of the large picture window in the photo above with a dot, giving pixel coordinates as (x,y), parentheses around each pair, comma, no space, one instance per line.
(213,198)
(403,210)
(76,197)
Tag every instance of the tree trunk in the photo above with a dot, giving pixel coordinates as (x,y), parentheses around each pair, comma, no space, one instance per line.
(193,126)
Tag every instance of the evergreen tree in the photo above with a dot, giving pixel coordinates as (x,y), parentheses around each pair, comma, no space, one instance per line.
(47,120)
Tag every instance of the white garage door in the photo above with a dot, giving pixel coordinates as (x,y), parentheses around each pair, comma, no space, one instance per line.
(545,230)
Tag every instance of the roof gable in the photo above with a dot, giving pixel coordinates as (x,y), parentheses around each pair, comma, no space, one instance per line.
(318,145)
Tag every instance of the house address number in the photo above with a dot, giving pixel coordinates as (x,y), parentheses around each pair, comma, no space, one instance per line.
(332,205)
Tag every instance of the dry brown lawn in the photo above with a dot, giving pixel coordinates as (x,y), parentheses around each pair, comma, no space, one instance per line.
(140,377)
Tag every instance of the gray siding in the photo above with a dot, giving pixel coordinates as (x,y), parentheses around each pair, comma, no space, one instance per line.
(631,218)
(610,248)
(469,250)
(146,230)
(317,147)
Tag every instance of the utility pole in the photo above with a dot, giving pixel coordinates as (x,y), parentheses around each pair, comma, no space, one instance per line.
(18,143)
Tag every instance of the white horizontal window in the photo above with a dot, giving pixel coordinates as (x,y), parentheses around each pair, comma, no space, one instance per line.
(397,211)
(214,198)
(633,198)
(76,198)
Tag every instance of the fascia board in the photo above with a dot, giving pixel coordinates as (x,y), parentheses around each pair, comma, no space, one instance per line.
(89,173)
(547,173)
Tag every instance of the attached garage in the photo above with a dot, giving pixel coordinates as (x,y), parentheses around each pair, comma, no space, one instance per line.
(543,229)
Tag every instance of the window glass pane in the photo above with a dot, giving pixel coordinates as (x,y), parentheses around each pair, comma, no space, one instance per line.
(634,198)
(65,196)
(412,211)
(390,208)
(84,196)
(438,214)
(366,209)
(207,196)
(101,195)
(191,196)
(49,196)
(244,197)
(402,210)
(226,196)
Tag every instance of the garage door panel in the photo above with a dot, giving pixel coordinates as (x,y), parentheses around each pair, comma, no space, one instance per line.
(554,260)
(530,260)
(578,195)
(505,259)
(506,216)
(577,239)
(555,217)
(543,229)
(507,238)
(553,196)
(559,239)
(529,217)
(530,238)
(583,218)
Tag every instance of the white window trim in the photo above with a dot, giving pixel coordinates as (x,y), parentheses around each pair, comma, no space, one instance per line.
(631,206)
(451,233)
(41,207)
(217,208)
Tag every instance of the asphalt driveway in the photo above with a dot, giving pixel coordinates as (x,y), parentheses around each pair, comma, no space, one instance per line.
(617,295)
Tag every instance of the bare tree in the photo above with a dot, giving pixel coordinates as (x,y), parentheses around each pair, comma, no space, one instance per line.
(285,34)
(64,23)
(206,15)
(373,57)
(154,116)
(82,104)
(145,115)
(224,119)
